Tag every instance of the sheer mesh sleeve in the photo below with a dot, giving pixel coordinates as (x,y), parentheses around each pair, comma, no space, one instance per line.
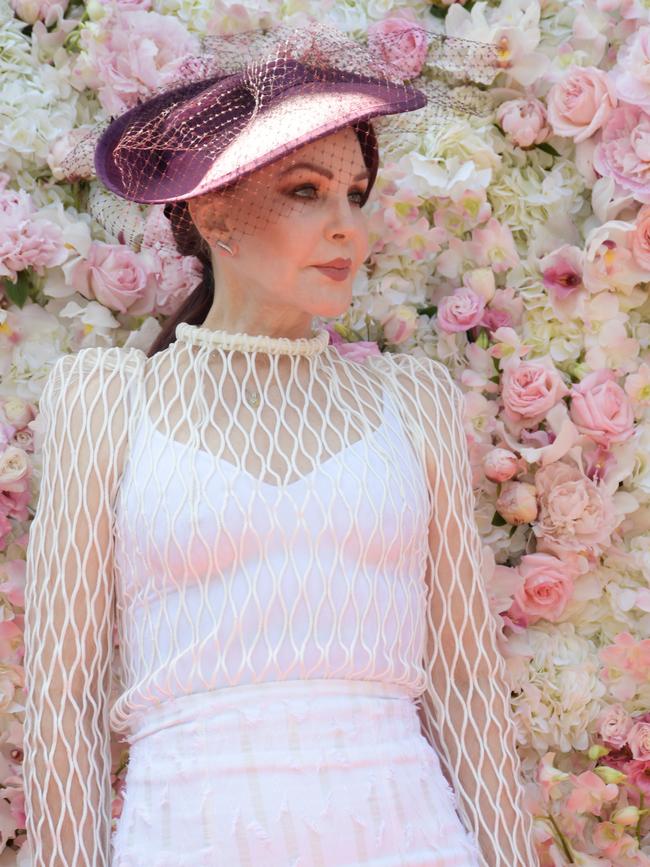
(69,612)
(465,708)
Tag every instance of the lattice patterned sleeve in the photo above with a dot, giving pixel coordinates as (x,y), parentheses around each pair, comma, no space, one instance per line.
(465,708)
(69,614)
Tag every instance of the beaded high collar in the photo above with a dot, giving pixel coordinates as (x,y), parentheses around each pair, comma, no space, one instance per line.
(199,335)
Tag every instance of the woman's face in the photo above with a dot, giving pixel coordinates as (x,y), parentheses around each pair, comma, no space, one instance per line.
(287,218)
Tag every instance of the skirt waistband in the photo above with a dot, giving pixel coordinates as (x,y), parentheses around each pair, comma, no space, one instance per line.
(316,706)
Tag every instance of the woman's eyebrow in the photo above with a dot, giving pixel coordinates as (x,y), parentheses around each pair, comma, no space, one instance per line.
(320,170)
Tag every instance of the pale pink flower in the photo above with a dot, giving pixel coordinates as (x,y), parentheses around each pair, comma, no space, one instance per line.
(517,502)
(117,277)
(31,11)
(627,654)
(609,262)
(575,516)
(401,324)
(638,739)
(641,238)
(614,842)
(481,281)
(494,246)
(547,587)
(524,121)
(495,318)
(623,152)
(529,389)
(601,410)
(401,42)
(358,350)
(562,276)
(631,74)
(613,725)
(461,311)
(590,793)
(464,213)
(637,385)
(548,776)
(136,53)
(581,103)
(500,465)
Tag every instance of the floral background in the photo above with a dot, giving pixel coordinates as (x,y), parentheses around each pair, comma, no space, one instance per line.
(514,247)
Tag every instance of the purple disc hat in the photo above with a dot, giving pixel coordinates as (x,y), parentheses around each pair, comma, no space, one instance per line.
(208,134)
(256,98)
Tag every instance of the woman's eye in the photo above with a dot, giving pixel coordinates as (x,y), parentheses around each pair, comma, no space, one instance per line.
(359,193)
(304,187)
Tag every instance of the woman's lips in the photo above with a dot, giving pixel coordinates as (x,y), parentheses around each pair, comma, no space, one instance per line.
(335,273)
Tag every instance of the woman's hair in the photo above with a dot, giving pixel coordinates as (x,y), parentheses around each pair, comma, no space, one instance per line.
(189,242)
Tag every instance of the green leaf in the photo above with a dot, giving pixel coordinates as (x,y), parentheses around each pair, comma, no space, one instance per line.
(17,292)
(431,310)
(548,149)
(498,520)
(438,11)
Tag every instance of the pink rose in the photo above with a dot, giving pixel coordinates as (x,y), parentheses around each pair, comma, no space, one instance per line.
(641,238)
(461,311)
(547,587)
(529,389)
(575,516)
(27,241)
(524,121)
(176,276)
(134,53)
(601,409)
(631,71)
(613,725)
(499,465)
(517,503)
(580,104)
(639,741)
(623,152)
(117,277)
(401,43)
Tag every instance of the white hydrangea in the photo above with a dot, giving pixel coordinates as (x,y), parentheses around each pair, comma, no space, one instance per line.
(195,14)
(526,195)
(559,694)
(541,329)
(36,110)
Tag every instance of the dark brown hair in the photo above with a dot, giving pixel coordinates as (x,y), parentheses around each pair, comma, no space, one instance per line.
(189,242)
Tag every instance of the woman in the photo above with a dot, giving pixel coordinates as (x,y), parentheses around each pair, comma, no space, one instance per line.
(283,539)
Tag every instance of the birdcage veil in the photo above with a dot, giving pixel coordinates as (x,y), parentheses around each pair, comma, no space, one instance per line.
(238,115)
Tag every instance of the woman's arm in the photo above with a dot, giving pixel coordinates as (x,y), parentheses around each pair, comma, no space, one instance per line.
(69,615)
(465,708)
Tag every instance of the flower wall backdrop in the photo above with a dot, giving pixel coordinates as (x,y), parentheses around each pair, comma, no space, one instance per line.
(514,248)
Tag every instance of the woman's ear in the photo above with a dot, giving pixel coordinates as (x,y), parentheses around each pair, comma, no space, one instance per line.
(206,215)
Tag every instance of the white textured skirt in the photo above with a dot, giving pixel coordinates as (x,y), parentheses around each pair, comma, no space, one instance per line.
(305,773)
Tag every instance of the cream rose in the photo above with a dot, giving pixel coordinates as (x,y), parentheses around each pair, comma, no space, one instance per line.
(575,516)
(581,104)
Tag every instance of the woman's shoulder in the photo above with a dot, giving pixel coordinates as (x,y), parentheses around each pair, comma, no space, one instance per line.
(92,370)
(420,376)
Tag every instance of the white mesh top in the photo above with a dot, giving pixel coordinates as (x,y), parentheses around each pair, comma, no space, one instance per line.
(324,530)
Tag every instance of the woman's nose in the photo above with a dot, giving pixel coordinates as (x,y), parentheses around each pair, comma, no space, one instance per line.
(342,220)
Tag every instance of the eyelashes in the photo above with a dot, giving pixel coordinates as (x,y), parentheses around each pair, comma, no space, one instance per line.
(295,190)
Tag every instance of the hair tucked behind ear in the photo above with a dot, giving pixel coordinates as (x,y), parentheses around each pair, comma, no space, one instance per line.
(190,242)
